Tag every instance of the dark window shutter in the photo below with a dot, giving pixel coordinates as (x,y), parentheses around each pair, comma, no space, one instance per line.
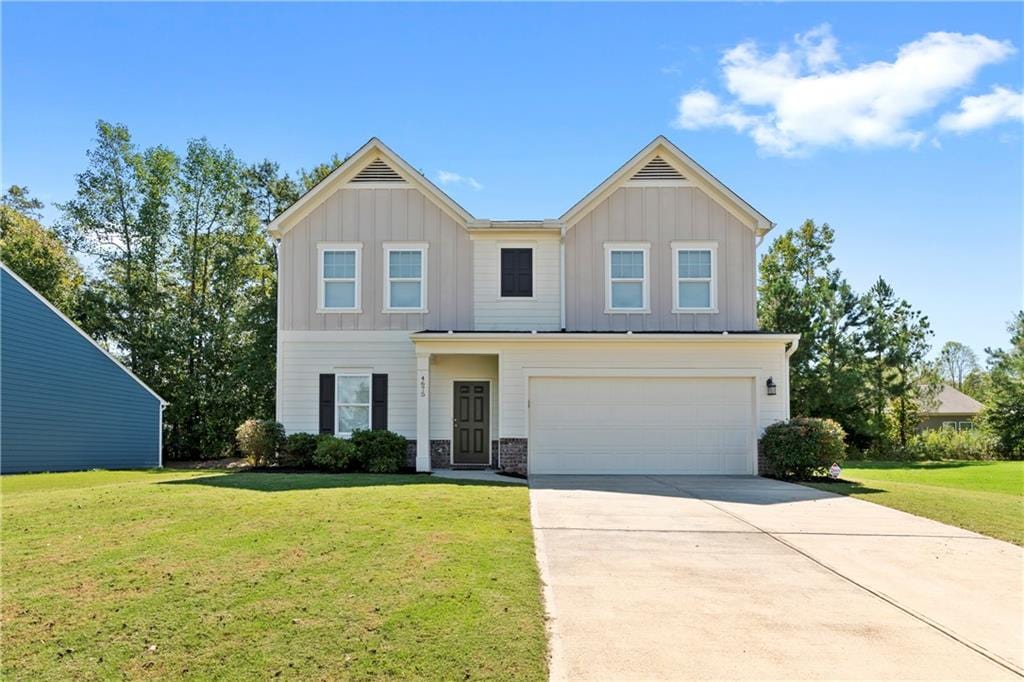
(517,272)
(326,403)
(379,409)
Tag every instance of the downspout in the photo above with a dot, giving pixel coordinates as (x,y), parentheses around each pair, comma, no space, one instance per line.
(561,280)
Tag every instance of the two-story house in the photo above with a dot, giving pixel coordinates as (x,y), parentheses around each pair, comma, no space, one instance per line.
(620,337)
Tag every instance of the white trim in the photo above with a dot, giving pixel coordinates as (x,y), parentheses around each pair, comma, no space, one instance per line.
(713,280)
(325,247)
(532,246)
(369,404)
(490,425)
(291,216)
(79,330)
(584,337)
(422,247)
(754,374)
(160,436)
(643,247)
(661,145)
(561,281)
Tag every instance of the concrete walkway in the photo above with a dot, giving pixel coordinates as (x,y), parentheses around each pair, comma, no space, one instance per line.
(678,577)
(488,475)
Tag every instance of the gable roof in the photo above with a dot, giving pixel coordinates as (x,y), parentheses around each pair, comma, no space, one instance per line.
(671,155)
(951,401)
(374,157)
(78,329)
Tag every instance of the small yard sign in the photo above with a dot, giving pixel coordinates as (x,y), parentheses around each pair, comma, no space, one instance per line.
(834,471)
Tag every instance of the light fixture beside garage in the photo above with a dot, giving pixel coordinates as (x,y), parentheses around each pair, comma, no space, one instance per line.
(771,386)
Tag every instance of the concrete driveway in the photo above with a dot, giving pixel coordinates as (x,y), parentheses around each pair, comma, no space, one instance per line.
(671,577)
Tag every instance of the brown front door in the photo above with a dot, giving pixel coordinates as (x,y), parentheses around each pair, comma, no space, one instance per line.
(471,426)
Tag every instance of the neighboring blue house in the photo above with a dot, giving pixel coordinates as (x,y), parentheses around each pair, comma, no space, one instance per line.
(65,403)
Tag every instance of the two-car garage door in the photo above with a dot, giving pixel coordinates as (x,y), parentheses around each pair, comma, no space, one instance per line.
(622,425)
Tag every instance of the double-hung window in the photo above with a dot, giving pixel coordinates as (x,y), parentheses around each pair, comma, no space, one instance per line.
(352,403)
(628,276)
(339,266)
(693,265)
(405,277)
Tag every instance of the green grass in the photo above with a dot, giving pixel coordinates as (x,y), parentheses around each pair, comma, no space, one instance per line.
(986,497)
(213,575)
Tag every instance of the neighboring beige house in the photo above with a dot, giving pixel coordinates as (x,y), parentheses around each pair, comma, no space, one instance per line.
(950,409)
(620,337)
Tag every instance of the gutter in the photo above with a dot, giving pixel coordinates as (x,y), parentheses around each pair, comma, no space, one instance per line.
(792,346)
(560,337)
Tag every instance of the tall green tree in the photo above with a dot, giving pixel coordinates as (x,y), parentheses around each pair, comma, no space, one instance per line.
(37,254)
(1004,405)
(800,290)
(896,341)
(956,363)
(120,217)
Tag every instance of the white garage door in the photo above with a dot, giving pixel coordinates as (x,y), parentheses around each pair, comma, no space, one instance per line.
(598,425)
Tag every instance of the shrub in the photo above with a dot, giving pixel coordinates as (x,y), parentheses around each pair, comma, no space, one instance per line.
(802,446)
(379,452)
(333,454)
(950,444)
(260,440)
(299,449)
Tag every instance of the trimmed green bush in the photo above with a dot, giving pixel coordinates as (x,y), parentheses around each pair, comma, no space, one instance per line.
(379,452)
(333,454)
(802,447)
(298,450)
(260,440)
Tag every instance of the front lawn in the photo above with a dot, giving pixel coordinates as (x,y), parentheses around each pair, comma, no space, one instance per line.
(212,575)
(986,497)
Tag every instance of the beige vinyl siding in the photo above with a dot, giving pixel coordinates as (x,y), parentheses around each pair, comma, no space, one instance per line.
(446,369)
(373,217)
(518,360)
(491,312)
(304,355)
(659,215)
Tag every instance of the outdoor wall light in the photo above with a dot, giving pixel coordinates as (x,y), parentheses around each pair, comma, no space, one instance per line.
(771,386)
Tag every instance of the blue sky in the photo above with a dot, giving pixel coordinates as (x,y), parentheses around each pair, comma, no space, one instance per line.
(897,124)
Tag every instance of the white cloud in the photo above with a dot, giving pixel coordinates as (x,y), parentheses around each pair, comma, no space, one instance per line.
(982,111)
(450,178)
(802,97)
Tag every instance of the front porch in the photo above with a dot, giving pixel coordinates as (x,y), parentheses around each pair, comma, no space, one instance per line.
(457,412)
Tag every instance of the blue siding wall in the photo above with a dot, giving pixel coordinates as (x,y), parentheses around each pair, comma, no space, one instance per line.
(64,405)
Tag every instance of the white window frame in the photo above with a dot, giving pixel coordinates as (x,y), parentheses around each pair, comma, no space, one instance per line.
(676,279)
(422,279)
(325,247)
(532,246)
(644,247)
(338,403)
(950,425)
(964,426)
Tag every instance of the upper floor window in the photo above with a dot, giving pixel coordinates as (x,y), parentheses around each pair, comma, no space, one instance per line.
(694,270)
(517,272)
(628,276)
(405,274)
(339,277)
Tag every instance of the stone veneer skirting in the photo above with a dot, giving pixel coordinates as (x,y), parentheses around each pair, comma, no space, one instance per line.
(513,454)
(514,458)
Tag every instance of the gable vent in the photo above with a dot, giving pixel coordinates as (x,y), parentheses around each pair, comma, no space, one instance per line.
(377,171)
(658,169)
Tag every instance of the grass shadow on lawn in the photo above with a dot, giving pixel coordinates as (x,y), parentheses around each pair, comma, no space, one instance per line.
(841,487)
(280,482)
(947,464)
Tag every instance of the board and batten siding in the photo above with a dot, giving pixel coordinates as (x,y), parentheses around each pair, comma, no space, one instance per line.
(66,405)
(372,217)
(493,313)
(659,215)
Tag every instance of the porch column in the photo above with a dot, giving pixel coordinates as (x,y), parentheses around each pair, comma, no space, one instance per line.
(423,412)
